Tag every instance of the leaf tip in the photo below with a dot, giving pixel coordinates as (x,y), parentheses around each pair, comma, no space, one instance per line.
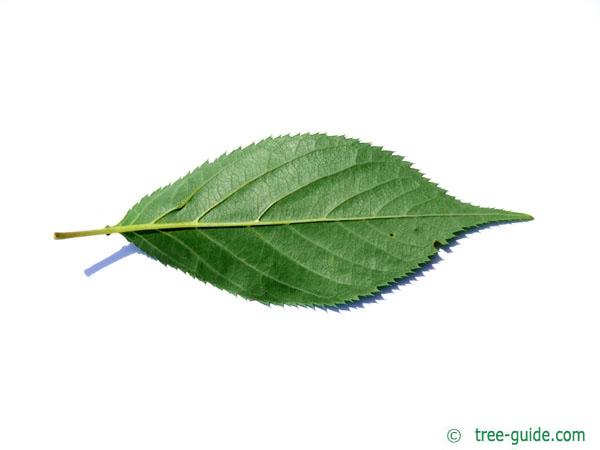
(523,217)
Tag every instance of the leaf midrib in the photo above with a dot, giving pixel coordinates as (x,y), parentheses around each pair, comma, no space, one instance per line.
(502,215)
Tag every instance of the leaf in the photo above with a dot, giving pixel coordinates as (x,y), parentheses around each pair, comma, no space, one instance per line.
(302,220)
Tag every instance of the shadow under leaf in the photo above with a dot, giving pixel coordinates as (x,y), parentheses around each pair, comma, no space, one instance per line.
(417,273)
(131,249)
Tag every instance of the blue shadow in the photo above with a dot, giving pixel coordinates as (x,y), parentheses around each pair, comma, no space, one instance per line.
(131,249)
(417,273)
(125,251)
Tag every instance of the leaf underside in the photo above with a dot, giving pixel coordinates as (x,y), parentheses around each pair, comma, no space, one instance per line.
(305,220)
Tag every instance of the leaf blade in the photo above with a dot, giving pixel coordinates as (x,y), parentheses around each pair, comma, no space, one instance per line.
(272,221)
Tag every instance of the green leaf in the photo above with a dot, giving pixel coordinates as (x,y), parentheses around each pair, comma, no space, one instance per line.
(302,220)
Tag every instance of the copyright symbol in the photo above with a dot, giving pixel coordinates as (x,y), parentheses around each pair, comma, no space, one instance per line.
(453,435)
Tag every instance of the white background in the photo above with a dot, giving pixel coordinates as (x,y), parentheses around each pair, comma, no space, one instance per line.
(102,102)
